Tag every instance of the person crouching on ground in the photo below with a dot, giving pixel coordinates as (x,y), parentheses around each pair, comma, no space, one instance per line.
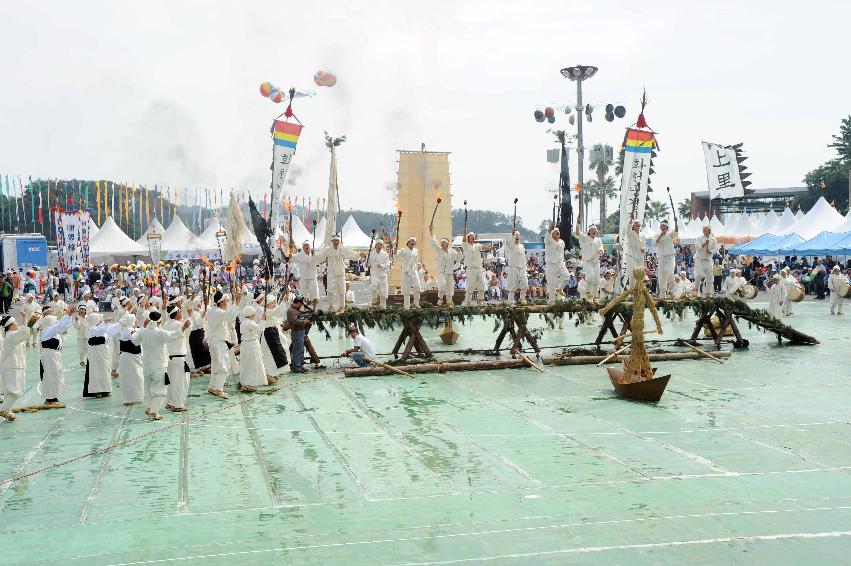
(363,350)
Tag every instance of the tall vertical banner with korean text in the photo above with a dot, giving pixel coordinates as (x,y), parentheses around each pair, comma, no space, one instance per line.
(285,138)
(724,172)
(638,152)
(72,239)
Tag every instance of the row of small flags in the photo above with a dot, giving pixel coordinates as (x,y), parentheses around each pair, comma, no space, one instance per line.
(125,201)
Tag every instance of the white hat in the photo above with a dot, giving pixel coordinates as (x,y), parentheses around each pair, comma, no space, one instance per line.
(412,239)
(271,299)
(776,276)
(305,242)
(248,312)
(473,235)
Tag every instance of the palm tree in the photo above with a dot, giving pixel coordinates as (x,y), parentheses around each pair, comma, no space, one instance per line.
(656,210)
(684,208)
(601,166)
(602,191)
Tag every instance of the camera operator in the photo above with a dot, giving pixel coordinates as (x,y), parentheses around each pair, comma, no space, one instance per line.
(363,349)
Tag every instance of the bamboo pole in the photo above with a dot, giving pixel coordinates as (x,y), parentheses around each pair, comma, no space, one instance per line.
(530,362)
(612,355)
(388,367)
(703,352)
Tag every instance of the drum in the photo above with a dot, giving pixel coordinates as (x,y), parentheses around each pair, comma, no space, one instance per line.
(747,291)
(844,290)
(796,293)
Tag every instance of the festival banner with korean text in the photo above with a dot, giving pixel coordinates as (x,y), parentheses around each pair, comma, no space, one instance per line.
(285,138)
(724,172)
(638,152)
(72,239)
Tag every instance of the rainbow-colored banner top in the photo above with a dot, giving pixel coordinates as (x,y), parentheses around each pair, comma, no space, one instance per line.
(638,141)
(286,134)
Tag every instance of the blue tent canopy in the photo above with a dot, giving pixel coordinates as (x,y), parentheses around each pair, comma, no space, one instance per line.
(767,245)
(824,243)
(842,247)
(762,241)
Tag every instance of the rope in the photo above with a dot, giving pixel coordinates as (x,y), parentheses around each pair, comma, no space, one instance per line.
(123,442)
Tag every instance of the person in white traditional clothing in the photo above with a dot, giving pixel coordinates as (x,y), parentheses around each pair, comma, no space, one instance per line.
(177,373)
(30,310)
(705,248)
(471,253)
(410,278)
(82,329)
(131,379)
(336,257)
(683,288)
(272,343)
(91,305)
(788,281)
(379,264)
(445,261)
(666,257)
(835,282)
(732,284)
(554,266)
(590,249)
(57,304)
(98,378)
(13,365)
(518,279)
(252,373)
(221,340)
(633,251)
(363,350)
(308,280)
(52,372)
(607,286)
(776,296)
(153,340)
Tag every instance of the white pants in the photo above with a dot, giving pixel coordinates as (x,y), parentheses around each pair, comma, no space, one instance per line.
(835,303)
(591,269)
(446,286)
(336,291)
(13,381)
(630,263)
(155,388)
(220,365)
(475,283)
(665,276)
(53,384)
(703,274)
(517,279)
(556,280)
(411,286)
(787,304)
(309,288)
(9,400)
(379,288)
(178,383)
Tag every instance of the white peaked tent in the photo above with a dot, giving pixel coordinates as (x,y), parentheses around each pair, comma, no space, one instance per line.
(765,223)
(692,231)
(208,236)
(300,233)
(800,214)
(179,238)
(785,224)
(845,226)
(93,228)
(156,227)
(111,241)
(821,217)
(353,236)
(717,227)
(743,228)
(732,225)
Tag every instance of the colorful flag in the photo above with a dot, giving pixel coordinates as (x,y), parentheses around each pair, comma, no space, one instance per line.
(285,139)
(97,198)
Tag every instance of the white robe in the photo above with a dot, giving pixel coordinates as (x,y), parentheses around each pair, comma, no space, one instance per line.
(445,269)
(308,282)
(590,250)
(177,348)
(52,383)
(100,359)
(379,264)
(554,267)
(776,296)
(131,380)
(252,372)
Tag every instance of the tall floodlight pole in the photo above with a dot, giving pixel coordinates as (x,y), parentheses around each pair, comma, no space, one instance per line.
(578,74)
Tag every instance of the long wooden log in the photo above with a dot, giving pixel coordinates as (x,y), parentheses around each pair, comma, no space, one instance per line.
(483,365)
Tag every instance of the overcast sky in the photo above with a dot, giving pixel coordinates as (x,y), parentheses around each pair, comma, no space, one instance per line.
(166,92)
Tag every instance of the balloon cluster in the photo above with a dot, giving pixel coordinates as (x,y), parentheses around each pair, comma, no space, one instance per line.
(321,78)
(271,92)
(549,113)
